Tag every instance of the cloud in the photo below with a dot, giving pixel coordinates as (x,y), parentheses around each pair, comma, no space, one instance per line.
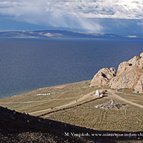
(73,14)
(46,12)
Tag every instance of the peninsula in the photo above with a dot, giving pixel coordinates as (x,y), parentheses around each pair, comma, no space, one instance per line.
(120,106)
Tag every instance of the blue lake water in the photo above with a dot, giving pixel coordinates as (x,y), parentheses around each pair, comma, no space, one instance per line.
(27,64)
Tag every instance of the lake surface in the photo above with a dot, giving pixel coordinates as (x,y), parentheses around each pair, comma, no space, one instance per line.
(27,64)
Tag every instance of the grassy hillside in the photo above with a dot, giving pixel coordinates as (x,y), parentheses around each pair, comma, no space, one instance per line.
(17,127)
(74,104)
(47,97)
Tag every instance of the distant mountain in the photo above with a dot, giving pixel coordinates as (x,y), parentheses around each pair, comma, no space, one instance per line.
(58,34)
(106,16)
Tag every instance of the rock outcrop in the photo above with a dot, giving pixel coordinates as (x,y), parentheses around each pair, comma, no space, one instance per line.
(139,86)
(103,77)
(129,75)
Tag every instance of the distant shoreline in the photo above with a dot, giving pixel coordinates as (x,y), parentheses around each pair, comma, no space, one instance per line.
(30,64)
(42,88)
(76,103)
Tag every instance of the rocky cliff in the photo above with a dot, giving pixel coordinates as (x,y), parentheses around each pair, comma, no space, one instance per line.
(103,77)
(128,75)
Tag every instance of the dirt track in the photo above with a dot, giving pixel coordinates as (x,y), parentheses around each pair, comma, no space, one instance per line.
(84,99)
(81,100)
(114,95)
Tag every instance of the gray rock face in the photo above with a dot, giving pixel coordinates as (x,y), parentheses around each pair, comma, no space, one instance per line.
(129,75)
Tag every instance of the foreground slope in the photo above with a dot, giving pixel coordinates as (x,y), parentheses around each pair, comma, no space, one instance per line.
(17,127)
(63,103)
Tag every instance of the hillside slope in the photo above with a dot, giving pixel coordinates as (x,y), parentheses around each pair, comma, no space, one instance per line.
(17,127)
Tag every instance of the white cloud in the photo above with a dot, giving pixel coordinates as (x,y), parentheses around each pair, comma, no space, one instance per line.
(45,12)
(71,13)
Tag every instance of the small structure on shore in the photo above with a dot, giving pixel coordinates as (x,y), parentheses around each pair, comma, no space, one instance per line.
(100,93)
(97,93)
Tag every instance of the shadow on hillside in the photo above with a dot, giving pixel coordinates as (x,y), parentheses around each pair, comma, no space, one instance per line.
(12,122)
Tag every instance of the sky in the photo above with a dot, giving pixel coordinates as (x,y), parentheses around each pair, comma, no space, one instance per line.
(77,15)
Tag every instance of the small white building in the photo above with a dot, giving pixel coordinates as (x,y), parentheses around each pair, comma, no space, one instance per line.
(98,94)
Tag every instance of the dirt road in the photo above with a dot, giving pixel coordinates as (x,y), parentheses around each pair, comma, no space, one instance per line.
(114,95)
(82,99)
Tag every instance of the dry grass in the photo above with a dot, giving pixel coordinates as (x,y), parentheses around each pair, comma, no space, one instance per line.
(137,98)
(129,119)
(45,98)
(86,115)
